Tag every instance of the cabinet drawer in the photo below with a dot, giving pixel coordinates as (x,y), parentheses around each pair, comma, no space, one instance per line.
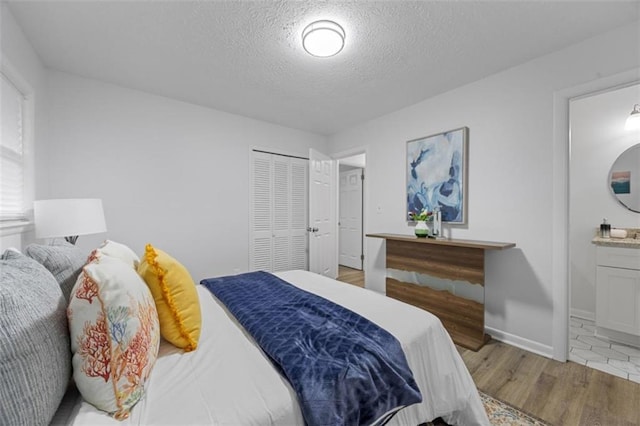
(616,257)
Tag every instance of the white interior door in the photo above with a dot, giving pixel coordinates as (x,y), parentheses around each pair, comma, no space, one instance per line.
(350,219)
(322,215)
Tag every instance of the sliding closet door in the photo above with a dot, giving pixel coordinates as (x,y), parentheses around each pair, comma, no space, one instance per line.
(279,203)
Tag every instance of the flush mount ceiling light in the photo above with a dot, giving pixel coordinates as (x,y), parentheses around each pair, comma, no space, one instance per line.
(323,38)
(633,122)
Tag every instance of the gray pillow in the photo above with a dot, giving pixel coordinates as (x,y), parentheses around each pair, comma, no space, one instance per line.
(62,259)
(35,358)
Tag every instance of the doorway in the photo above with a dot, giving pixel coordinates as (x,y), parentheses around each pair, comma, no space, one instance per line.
(351,211)
(598,136)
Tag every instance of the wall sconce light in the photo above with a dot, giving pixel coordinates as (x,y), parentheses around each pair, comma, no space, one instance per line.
(323,38)
(68,218)
(633,121)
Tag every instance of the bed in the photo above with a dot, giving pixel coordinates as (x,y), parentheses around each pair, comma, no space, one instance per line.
(229,381)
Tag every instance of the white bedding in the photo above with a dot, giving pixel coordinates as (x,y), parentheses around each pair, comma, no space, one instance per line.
(229,381)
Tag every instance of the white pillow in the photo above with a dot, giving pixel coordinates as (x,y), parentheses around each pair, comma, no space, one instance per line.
(115,335)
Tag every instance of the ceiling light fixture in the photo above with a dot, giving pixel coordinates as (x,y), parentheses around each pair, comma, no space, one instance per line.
(633,122)
(323,38)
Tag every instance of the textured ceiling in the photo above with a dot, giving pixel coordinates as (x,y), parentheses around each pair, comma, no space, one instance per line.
(246,57)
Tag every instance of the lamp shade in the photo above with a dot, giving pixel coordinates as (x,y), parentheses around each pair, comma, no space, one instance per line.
(68,217)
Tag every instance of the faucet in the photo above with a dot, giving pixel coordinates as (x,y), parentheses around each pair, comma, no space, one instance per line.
(437,222)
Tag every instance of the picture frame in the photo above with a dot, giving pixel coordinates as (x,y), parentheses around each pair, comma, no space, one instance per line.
(437,175)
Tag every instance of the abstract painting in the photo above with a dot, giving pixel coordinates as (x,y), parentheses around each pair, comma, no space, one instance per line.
(437,175)
(621,182)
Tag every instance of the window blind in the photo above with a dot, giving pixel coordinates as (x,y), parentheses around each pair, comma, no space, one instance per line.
(11,151)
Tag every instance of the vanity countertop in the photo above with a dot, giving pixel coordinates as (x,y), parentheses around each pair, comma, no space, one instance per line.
(632,240)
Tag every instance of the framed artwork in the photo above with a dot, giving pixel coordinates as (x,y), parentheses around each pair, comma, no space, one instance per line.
(437,175)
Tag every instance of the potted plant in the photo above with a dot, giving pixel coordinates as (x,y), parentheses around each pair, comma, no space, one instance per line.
(421,230)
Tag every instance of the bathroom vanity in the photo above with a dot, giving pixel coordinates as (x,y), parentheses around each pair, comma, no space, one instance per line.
(618,288)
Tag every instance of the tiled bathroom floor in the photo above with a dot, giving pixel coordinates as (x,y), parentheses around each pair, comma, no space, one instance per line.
(613,358)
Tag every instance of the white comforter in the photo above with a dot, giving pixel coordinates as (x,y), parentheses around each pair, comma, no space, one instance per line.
(229,381)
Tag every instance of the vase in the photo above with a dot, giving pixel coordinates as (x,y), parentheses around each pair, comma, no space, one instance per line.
(421,229)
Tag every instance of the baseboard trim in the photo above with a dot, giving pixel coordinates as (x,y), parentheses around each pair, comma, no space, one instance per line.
(520,342)
(579,313)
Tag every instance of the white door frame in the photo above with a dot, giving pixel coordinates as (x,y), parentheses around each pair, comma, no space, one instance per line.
(560,271)
(365,199)
(349,260)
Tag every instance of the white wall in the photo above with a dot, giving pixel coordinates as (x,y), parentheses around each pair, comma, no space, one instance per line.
(169,173)
(597,138)
(18,55)
(511,120)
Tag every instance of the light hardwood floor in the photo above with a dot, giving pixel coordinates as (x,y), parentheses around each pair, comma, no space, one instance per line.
(351,276)
(558,393)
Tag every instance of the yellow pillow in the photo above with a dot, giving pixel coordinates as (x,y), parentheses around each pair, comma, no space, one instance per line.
(175,295)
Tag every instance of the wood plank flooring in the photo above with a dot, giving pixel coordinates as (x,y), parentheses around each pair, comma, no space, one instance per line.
(351,276)
(558,393)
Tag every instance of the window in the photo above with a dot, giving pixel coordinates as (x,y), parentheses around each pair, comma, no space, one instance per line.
(12,161)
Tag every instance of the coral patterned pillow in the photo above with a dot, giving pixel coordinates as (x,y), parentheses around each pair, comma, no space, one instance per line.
(121,251)
(176,298)
(115,335)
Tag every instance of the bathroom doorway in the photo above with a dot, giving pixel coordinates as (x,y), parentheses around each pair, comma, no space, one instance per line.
(598,137)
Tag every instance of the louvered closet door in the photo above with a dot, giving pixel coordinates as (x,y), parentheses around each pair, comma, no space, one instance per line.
(261,252)
(281,213)
(299,214)
(279,238)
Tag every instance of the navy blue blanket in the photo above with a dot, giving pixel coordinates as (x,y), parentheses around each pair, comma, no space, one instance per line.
(345,369)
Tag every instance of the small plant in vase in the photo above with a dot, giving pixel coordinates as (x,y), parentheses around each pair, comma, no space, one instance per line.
(421,230)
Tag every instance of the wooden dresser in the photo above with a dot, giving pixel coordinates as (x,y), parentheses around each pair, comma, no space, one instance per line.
(448,271)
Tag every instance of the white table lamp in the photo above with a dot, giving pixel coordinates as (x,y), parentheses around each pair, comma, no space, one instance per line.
(68,218)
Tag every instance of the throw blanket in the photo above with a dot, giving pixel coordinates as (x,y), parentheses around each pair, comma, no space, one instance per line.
(345,369)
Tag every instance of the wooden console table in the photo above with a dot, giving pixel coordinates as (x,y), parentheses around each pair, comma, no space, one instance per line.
(461,262)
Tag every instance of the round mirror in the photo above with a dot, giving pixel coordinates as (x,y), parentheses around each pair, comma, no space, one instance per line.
(624,178)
